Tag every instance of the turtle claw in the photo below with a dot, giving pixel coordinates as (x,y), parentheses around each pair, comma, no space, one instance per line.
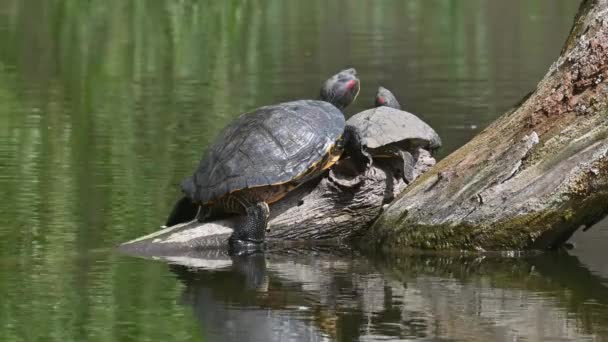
(345,182)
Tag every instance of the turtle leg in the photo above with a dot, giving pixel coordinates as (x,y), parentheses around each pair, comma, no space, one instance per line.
(184,210)
(405,162)
(353,144)
(408,165)
(250,236)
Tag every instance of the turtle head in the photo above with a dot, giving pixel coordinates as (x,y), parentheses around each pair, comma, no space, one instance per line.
(385,98)
(341,89)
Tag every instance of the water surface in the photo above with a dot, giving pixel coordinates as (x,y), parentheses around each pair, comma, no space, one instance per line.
(106,105)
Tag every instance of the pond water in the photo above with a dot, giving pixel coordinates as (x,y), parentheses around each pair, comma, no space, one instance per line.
(106,105)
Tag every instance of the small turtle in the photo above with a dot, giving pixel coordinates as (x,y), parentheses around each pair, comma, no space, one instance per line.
(266,153)
(389,132)
(385,98)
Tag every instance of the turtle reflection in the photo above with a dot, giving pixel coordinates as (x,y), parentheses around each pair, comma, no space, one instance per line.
(317,295)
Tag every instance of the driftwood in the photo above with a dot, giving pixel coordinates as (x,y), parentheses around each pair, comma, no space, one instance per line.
(530,179)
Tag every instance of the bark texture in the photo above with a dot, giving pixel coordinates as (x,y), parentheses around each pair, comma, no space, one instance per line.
(531,178)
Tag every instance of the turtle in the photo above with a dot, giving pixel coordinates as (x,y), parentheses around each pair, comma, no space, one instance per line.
(384,97)
(386,131)
(266,153)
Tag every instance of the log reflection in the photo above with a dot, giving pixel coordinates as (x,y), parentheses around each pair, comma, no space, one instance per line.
(313,295)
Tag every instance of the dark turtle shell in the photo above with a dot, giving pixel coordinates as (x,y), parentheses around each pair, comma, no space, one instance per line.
(268,146)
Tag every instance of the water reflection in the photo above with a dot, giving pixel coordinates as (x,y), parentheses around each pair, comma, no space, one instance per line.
(312,296)
(106,104)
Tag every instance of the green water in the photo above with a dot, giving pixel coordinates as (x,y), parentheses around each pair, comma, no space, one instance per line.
(106,105)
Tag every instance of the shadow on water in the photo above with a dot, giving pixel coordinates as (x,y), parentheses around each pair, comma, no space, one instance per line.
(277,297)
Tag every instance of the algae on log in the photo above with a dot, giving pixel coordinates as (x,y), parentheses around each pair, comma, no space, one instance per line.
(530,179)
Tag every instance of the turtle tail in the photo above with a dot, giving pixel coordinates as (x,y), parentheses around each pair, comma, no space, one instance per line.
(184,210)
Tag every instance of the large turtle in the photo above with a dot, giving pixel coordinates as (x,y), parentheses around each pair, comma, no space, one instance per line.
(266,153)
(389,132)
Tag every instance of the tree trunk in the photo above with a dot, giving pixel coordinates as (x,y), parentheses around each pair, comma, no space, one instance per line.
(530,179)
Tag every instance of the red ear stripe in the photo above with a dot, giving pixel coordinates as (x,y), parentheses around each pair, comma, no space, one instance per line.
(351,84)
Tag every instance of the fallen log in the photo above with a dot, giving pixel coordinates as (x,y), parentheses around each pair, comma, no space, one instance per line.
(530,179)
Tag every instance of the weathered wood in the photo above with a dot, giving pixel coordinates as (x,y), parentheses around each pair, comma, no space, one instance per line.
(333,209)
(531,178)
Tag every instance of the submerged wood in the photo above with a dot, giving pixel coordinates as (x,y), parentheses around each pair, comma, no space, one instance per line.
(531,178)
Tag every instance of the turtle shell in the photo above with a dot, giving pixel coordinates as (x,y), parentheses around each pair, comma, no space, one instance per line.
(382,126)
(268,146)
